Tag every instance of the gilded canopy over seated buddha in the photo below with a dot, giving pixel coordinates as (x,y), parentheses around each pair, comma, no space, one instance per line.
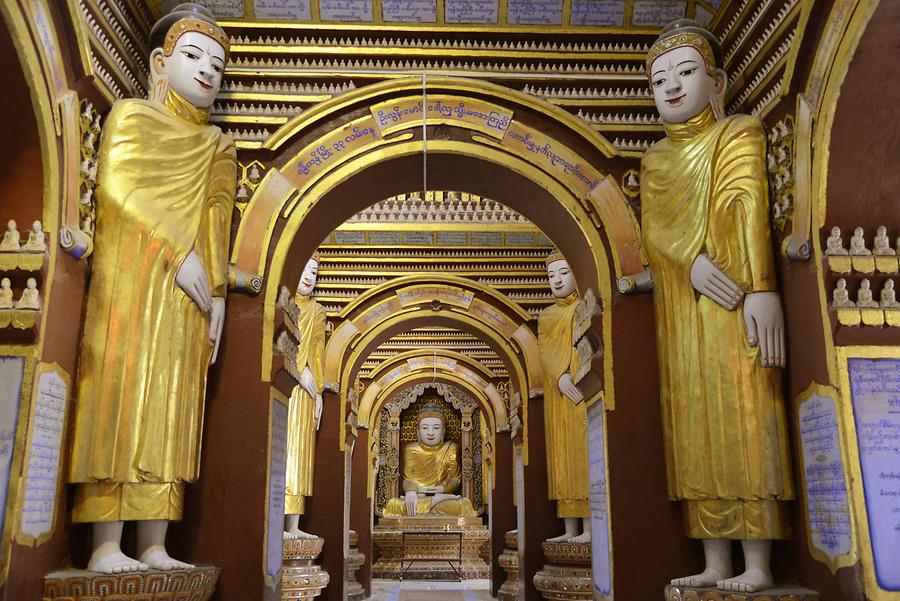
(430,472)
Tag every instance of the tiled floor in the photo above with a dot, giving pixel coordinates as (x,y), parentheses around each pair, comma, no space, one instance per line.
(468,590)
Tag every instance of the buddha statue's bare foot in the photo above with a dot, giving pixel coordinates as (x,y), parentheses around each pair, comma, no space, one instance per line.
(562,538)
(708,577)
(583,538)
(750,581)
(158,559)
(114,562)
(295,533)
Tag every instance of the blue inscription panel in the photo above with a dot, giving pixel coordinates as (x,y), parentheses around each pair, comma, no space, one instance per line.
(875,394)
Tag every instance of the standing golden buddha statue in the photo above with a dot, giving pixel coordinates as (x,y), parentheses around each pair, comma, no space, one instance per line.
(305,407)
(156,300)
(565,414)
(719,323)
(430,472)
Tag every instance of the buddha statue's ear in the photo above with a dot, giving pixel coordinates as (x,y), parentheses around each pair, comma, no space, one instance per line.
(717,100)
(159,81)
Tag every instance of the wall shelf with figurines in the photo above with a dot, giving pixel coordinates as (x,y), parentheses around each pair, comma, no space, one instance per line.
(27,256)
(20,297)
(865,310)
(858,257)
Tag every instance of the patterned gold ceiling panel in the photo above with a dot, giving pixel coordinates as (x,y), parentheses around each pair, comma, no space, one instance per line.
(443,232)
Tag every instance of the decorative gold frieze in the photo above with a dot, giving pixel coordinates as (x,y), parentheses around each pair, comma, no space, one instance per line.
(195,584)
(686,593)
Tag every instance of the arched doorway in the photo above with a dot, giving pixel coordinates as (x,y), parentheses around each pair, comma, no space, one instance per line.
(551,169)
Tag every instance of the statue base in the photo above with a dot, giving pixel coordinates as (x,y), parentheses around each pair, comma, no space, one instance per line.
(195,584)
(428,548)
(509,561)
(355,560)
(300,577)
(567,576)
(689,593)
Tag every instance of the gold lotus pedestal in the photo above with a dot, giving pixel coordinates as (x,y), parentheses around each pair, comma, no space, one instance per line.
(509,561)
(355,560)
(196,584)
(688,593)
(431,548)
(300,577)
(567,575)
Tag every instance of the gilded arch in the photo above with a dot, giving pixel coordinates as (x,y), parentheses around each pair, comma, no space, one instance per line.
(437,363)
(322,154)
(499,315)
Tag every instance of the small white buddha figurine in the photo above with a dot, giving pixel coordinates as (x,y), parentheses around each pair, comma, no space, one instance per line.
(881,246)
(834,245)
(864,298)
(11,238)
(6,297)
(889,296)
(30,298)
(840,298)
(858,244)
(37,240)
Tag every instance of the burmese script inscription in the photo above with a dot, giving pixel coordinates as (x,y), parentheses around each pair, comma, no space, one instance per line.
(599,499)
(277,467)
(603,13)
(11,376)
(45,442)
(826,489)
(470,11)
(875,393)
(534,12)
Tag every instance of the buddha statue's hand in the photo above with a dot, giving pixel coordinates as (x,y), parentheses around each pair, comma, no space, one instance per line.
(567,387)
(308,382)
(191,278)
(318,410)
(412,502)
(712,282)
(764,321)
(216,321)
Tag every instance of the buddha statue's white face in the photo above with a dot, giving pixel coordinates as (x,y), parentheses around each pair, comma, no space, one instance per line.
(681,86)
(431,431)
(195,68)
(562,282)
(308,278)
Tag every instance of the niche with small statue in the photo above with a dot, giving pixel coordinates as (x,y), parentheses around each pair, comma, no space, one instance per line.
(397,427)
(861,291)
(22,266)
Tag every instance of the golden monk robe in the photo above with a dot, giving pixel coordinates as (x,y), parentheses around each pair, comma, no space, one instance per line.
(430,472)
(704,190)
(146,347)
(165,189)
(718,316)
(565,416)
(305,407)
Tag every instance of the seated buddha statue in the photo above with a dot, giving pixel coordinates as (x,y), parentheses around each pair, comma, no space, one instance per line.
(430,472)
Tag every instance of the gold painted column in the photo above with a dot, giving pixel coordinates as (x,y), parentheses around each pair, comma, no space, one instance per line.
(466,450)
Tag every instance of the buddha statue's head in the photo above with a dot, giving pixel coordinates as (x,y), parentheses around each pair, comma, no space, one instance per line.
(430,425)
(684,66)
(562,282)
(309,276)
(5,284)
(188,53)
